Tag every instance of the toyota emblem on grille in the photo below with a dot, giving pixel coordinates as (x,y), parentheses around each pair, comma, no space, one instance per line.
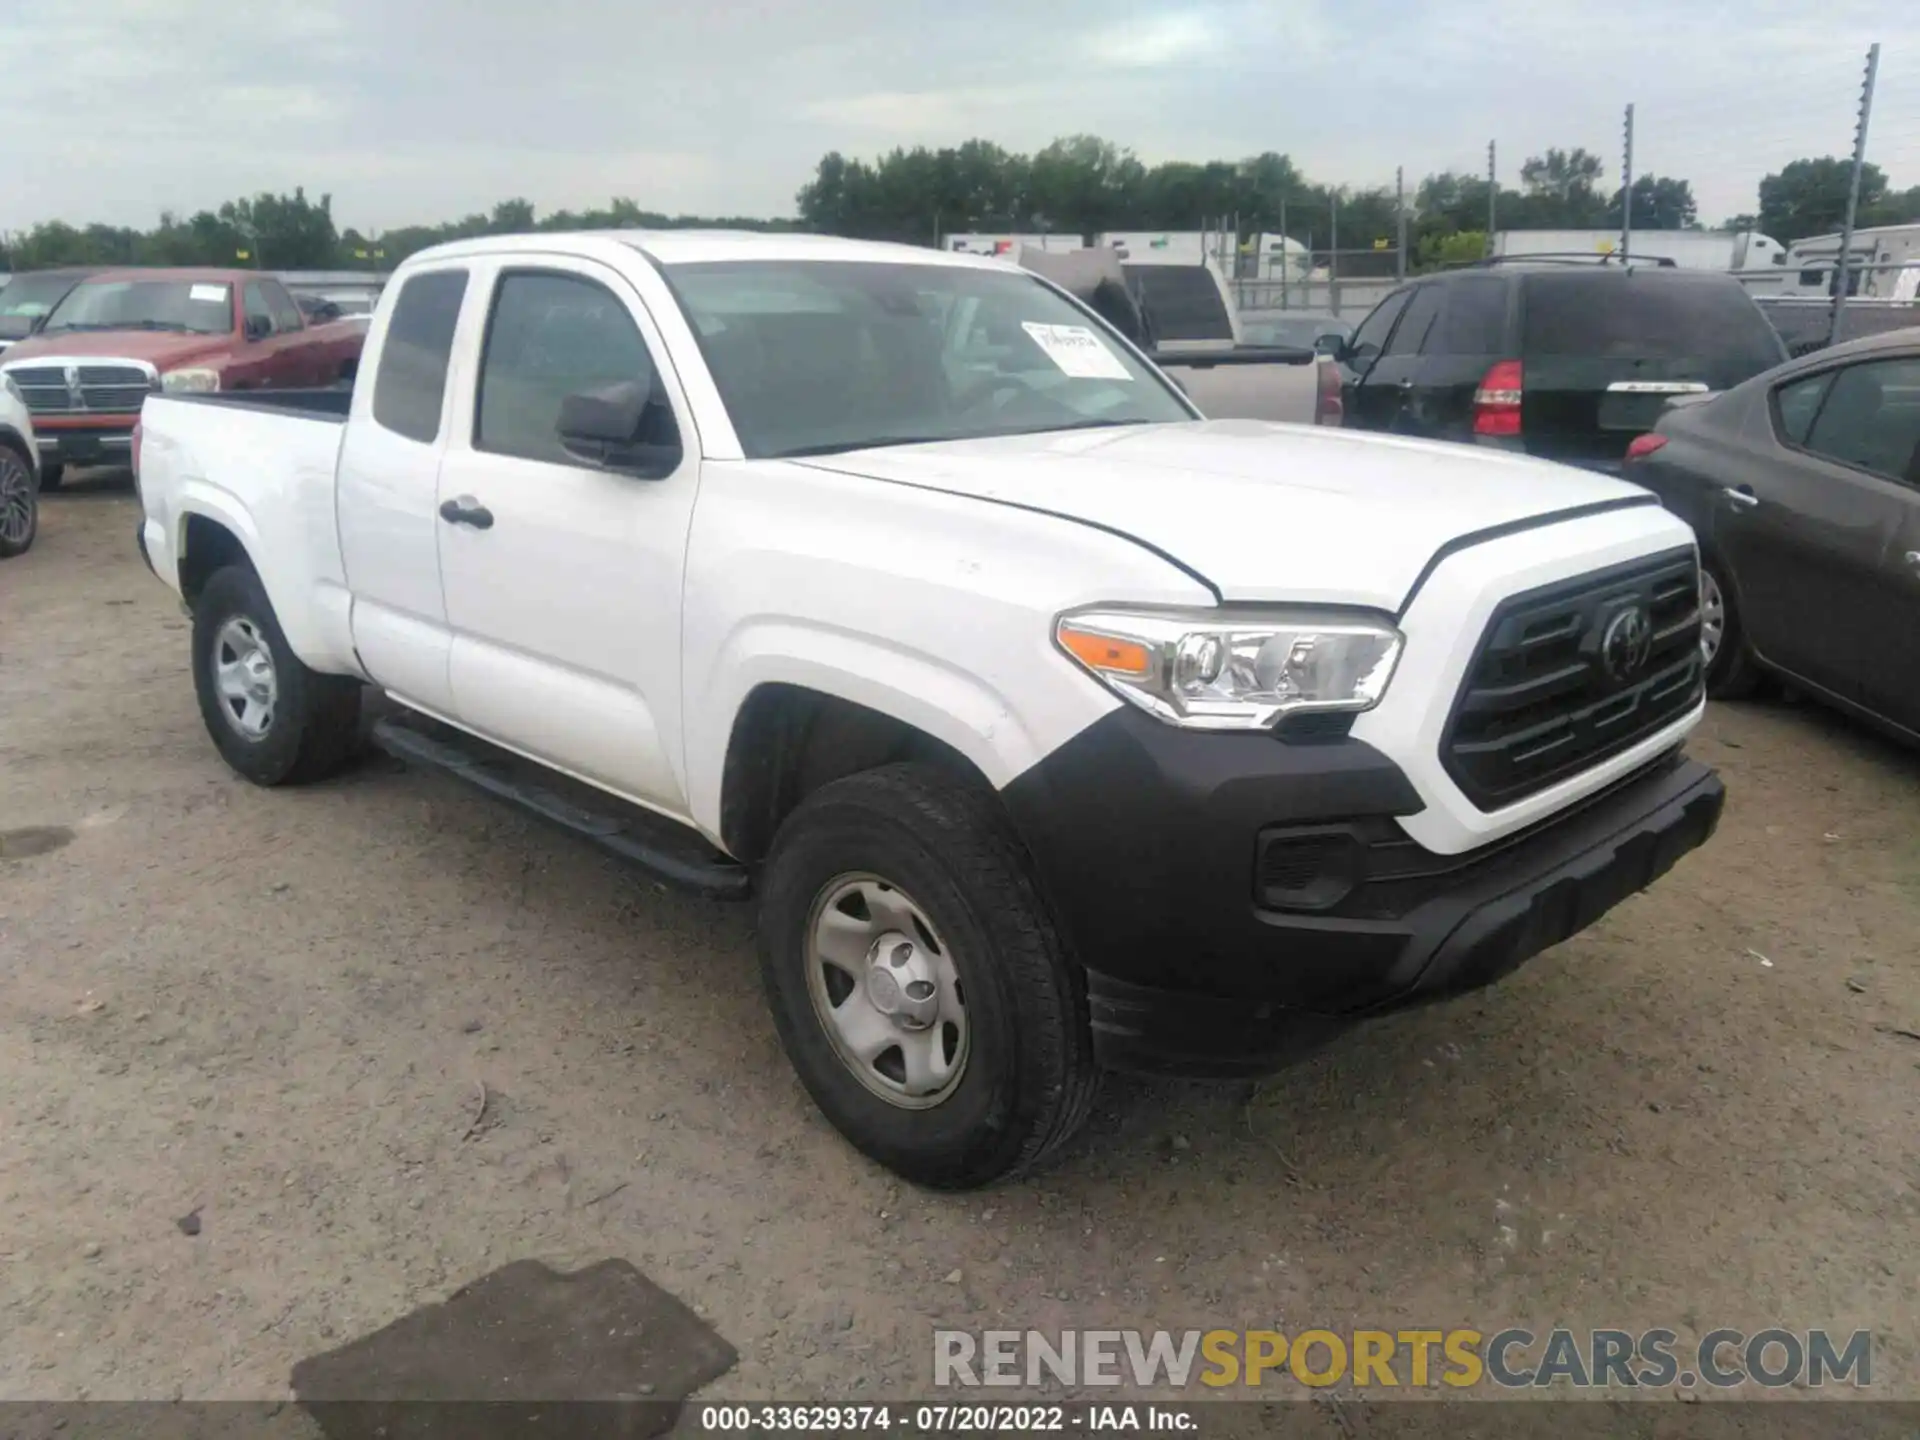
(1626,643)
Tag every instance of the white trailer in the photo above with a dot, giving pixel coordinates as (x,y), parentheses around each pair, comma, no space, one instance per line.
(1690,249)
(1887,258)
(1006,245)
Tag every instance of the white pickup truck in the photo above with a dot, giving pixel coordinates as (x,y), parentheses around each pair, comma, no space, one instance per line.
(1051,726)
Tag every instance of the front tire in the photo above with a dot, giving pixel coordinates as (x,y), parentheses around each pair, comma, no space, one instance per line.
(918,983)
(275,721)
(1732,672)
(19,505)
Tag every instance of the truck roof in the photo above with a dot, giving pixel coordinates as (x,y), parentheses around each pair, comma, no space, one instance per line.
(209,273)
(685,247)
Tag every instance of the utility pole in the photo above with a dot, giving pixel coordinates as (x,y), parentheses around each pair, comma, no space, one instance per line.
(1333,251)
(1286,256)
(1626,195)
(1400,222)
(1843,270)
(1493,196)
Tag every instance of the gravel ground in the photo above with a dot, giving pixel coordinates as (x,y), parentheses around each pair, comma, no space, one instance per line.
(383,1036)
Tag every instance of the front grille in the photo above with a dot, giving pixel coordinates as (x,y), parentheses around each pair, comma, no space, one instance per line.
(43,387)
(1553,688)
(102,389)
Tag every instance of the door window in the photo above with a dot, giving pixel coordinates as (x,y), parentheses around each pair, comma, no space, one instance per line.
(1870,418)
(1411,333)
(259,317)
(1795,404)
(410,388)
(1371,338)
(286,314)
(551,336)
(1476,318)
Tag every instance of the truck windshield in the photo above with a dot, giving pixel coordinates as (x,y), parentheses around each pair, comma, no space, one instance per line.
(26,298)
(813,356)
(198,307)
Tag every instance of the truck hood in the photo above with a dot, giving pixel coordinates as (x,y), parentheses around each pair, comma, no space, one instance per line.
(1259,511)
(163,349)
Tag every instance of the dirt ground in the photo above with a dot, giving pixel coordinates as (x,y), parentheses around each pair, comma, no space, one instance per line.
(281,1012)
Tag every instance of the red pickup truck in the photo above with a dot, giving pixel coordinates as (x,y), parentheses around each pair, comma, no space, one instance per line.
(122,335)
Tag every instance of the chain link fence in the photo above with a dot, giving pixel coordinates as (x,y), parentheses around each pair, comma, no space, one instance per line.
(1835,186)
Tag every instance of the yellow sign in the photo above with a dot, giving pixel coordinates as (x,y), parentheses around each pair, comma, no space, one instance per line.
(243,255)
(1381,245)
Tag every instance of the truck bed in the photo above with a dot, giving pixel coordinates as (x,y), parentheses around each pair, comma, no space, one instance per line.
(1247,382)
(329,403)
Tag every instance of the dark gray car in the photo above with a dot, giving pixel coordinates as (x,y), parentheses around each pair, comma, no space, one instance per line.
(1803,485)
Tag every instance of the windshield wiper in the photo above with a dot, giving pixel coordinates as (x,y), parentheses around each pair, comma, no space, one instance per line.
(169,325)
(74,325)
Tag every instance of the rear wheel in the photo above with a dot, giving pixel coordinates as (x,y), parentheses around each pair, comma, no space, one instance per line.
(1731,671)
(918,983)
(273,720)
(51,477)
(19,505)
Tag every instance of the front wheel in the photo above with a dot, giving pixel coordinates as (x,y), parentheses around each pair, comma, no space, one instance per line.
(918,983)
(1732,673)
(273,720)
(19,505)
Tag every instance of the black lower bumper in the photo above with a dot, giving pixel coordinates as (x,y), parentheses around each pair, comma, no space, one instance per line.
(1201,961)
(91,446)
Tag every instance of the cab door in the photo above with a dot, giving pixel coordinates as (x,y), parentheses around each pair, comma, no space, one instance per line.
(1390,392)
(1364,408)
(563,577)
(387,495)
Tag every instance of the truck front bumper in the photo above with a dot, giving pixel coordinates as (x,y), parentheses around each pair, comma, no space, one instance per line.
(85,440)
(1238,905)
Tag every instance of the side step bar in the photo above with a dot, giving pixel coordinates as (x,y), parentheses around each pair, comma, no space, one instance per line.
(655,844)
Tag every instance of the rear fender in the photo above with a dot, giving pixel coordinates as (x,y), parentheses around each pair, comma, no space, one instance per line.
(313,615)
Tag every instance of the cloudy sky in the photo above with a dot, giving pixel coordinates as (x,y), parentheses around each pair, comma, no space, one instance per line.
(418,110)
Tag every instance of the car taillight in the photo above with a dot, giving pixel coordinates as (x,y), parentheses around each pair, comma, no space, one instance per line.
(1644,445)
(1496,404)
(1327,409)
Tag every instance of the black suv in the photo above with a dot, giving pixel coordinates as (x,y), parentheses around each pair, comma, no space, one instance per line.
(1565,359)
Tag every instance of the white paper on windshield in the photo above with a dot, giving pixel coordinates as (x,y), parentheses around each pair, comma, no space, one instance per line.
(214,294)
(1077,351)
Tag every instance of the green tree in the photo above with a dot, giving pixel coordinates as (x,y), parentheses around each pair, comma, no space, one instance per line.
(1560,191)
(1809,197)
(1658,204)
(1084,184)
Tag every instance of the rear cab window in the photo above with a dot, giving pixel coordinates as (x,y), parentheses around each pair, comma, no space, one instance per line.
(409,390)
(1183,302)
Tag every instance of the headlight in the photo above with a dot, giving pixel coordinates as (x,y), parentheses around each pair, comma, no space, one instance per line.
(6,382)
(1234,669)
(176,381)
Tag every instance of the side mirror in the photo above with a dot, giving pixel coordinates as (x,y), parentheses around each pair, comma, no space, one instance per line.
(1331,344)
(605,427)
(258,327)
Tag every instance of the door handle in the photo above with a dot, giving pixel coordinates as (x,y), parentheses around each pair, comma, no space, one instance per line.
(466,511)
(1740,496)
